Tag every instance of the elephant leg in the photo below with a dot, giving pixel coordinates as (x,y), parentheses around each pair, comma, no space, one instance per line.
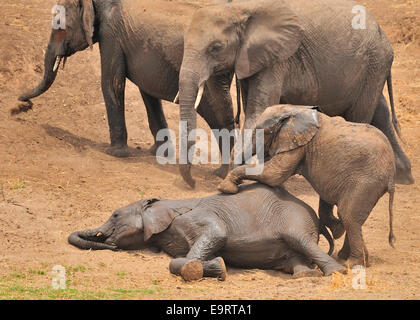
(310,250)
(299,267)
(155,116)
(217,110)
(344,252)
(353,212)
(326,217)
(113,87)
(276,171)
(188,269)
(381,120)
(199,261)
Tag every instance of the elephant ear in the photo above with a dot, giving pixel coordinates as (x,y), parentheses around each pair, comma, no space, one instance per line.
(88,19)
(290,128)
(157,217)
(273,32)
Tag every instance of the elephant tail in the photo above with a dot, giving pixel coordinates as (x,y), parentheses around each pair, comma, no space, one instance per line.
(323,230)
(395,122)
(391,236)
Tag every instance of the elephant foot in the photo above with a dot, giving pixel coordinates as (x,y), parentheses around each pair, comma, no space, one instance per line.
(153,149)
(403,170)
(188,269)
(329,270)
(227,186)
(306,272)
(118,151)
(192,270)
(343,255)
(215,268)
(404,178)
(352,261)
(222,171)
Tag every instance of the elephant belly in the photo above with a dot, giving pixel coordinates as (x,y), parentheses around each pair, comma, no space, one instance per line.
(153,74)
(261,253)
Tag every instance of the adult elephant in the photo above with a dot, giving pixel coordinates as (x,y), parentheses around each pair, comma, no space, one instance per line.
(141,40)
(300,52)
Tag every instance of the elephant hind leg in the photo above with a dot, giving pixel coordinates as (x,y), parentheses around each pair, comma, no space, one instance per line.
(353,212)
(381,120)
(155,116)
(309,249)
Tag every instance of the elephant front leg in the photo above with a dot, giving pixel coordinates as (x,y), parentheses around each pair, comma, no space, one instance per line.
(197,264)
(113,87)
(275,171)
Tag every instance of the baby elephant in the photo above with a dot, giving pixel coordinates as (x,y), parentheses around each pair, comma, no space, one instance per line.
(350,165)
(260,227)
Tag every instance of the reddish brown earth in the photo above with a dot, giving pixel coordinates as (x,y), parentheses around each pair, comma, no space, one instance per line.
(55,178)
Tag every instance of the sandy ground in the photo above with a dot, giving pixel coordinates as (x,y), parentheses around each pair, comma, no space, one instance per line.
(55,178)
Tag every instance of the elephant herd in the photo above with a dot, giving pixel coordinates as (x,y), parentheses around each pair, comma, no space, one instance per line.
(288,56)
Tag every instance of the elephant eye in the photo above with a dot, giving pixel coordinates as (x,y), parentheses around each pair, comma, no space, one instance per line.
(216,47)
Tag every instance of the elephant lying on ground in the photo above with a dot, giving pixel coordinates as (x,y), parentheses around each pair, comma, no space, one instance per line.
(260,227)
(350,165)
(141,40)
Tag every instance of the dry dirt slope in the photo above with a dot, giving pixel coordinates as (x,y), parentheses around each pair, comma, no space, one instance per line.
(55,178)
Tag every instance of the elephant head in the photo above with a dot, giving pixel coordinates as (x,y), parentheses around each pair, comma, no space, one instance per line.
(244,37)
(77,35)
(128,228)
(286,127)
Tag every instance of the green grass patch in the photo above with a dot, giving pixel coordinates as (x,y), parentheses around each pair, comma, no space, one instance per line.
(16,185)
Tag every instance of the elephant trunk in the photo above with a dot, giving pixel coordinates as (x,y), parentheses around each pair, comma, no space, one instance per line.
(51,63)
(189,94)
(91,239)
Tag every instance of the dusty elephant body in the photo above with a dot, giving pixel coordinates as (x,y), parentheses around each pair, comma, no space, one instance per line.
(139,40)
(350,165)
(260,227)
(301,52)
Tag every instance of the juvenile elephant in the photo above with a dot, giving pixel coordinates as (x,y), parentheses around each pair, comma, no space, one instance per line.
(301,52)
(141,40)
(350,165)
(260,227)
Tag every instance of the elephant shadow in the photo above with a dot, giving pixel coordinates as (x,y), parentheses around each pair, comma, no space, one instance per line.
(207,180)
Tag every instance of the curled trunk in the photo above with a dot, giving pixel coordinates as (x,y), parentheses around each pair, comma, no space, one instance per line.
(90,239)
(50,60)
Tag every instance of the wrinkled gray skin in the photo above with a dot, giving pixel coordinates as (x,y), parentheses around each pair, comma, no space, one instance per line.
(260,227)
(141,40)
(302,52)
(350,165)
